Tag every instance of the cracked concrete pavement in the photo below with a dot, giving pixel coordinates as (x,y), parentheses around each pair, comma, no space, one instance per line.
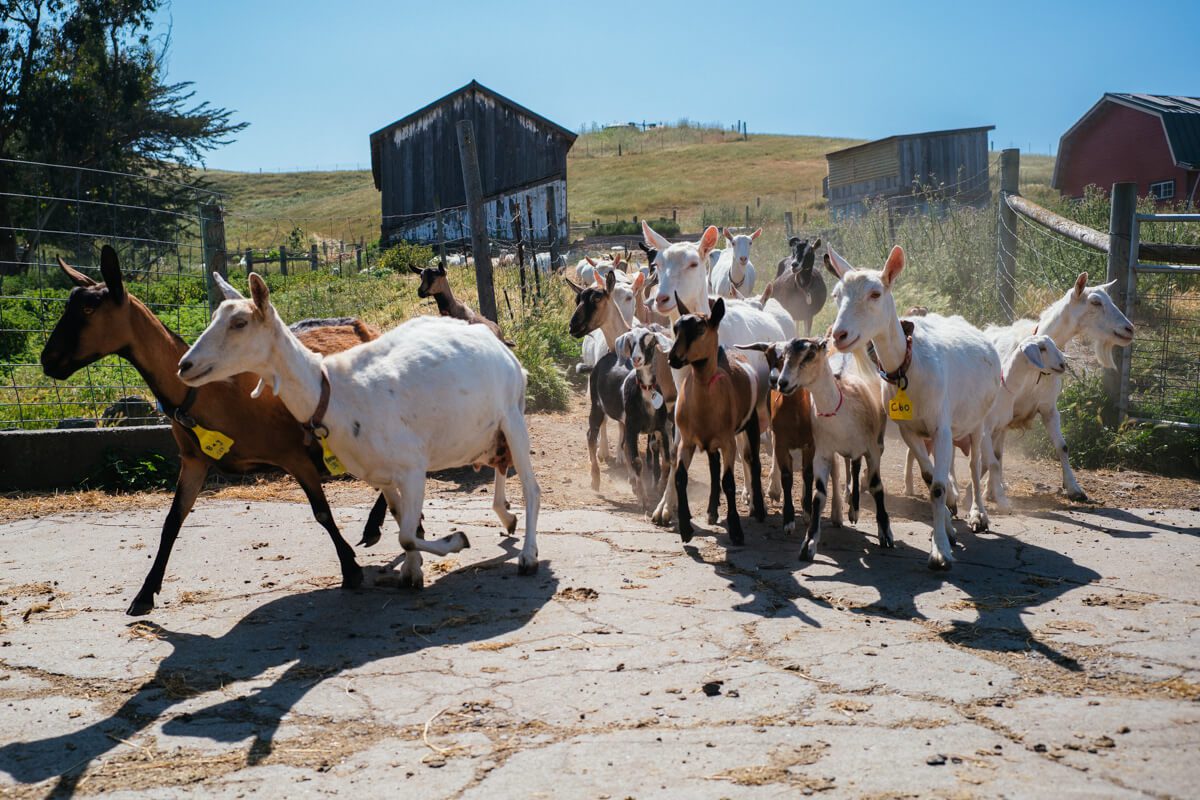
(1060,655)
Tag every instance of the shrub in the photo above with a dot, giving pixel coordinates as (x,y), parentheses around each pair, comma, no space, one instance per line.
(139,473)
(665,227)
(399,258)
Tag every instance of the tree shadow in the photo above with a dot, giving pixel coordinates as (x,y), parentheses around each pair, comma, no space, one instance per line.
(317,634)
(1116,515)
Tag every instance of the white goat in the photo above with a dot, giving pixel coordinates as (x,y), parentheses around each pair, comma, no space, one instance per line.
(734,272)
(847,420)
(947,367)
(1034,358)
(681,274)
(1082,311)
(432,394)
(589,270)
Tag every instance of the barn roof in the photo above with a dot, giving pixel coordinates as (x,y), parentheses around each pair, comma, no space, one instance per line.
(473,86)
(900,136)
(1180,118)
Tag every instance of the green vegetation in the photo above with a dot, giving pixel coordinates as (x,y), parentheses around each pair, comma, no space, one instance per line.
(141,473)
(404,256)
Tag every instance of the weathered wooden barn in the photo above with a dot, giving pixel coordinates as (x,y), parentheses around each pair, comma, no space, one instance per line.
(522,162)
(891,169)
(1151,139)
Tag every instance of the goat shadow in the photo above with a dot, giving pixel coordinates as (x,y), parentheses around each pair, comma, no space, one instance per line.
(319,634)
(1004,576)
(1082,520)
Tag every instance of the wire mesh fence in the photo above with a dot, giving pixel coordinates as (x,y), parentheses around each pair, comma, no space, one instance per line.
(1164,366)
(50,211)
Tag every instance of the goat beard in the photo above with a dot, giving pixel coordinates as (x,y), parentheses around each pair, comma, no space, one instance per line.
(1104,354)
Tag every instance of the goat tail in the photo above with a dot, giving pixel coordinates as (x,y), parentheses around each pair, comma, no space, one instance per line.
(364,331)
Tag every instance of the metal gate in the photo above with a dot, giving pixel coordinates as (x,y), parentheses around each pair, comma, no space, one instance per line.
(1160,380)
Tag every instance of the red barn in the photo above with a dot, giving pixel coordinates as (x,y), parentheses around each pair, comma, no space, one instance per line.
(1152,140)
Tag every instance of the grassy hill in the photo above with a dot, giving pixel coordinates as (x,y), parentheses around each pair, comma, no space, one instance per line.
(702,174)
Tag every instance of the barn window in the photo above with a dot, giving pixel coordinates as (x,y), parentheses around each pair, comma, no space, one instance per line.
(1163,190)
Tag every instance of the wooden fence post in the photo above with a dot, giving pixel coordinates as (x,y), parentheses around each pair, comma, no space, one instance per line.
(473,184)
(212,225)
(357,259)
(1006,256)
(514,208)
(249,256)
(312,257)
(552,232)
(1120,246)
(441,231)
(283,259)
(787,223)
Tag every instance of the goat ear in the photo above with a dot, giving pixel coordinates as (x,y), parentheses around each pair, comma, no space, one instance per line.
(1080,284)
(441,268)
(894,265)
(756,234)
(638,282)
(795,240)
(683,310)
(653,239)
(766,295)
(227,291)
(578,290)
(837,265)
(589,260)
(110,268)
(415,269)
(610,281)
(642,246)
(259,292)
(728,234)
(707,241)
(1108,287)
(718,312)
(823,343)
(1033,353)
(761,347)
(76,277)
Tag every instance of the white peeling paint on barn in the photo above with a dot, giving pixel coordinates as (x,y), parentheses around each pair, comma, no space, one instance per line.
(456,223)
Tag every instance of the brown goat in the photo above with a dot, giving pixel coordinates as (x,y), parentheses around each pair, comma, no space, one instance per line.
(435,284)
(718,399)
(791,422)
(103,318)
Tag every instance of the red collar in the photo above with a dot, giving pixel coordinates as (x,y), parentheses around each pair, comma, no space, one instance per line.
(716,376)
(833,413)
(646,387)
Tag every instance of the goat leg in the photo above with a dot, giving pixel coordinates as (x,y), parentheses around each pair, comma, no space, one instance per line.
(192,472)
(305,473)
(727,484)
(875,486)
(682,513)
(758,508)
(714,487)
(783,458)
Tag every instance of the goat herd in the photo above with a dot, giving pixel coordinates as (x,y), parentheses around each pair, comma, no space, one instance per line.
(679,352)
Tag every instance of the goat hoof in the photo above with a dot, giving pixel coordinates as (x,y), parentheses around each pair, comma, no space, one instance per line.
(527,566)
(712,518)
(510,525)
(1077,496)
(370,538)
(353,578)
(789,527)
(953,509)
(938,564)
(806,552)
(775,495)
(737,537)
(853,517)
(978,524)
(885,540)
(759,514)
(686,532)
(141,606)
(459,542)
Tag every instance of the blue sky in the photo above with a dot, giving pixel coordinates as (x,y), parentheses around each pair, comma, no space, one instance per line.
(313,79)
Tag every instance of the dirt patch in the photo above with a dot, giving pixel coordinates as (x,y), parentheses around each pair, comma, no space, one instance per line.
(1120,600)
(780,769)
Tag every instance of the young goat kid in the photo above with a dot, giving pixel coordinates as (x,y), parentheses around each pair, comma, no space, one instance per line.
(649,409)
(847,419)
(431,394)
(718,400)
(435,284)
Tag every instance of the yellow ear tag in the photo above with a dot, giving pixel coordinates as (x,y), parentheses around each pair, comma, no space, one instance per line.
(900,406)
(214,443)
(331,461)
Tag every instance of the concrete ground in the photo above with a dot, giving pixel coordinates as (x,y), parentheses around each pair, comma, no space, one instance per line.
(1060,656)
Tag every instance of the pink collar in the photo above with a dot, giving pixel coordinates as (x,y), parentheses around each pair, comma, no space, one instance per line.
(833,413)
(716,376)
